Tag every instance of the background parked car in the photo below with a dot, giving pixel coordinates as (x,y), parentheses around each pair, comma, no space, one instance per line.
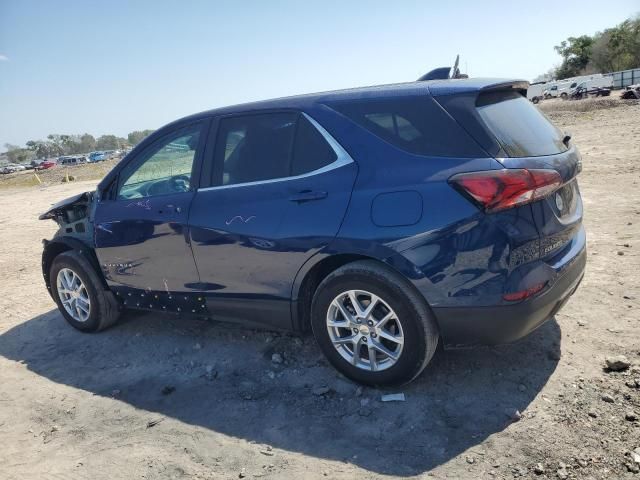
(71,160)
(535,92)
(97,156)
(46,165)
(12,168)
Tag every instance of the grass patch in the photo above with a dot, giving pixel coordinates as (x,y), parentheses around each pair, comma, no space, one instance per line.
(56,175)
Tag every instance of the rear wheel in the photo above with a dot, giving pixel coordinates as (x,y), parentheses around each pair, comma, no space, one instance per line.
(80,295)
(372,325)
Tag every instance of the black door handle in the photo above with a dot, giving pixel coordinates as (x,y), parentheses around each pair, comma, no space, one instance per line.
(308,196)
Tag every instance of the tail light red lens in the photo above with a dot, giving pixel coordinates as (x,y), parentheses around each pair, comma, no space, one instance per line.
(495,190)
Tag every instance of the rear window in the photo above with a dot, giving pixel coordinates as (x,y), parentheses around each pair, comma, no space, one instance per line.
(521,129)
(416,125)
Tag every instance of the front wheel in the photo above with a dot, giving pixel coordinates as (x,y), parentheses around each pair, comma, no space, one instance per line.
(372,325)
(80,295)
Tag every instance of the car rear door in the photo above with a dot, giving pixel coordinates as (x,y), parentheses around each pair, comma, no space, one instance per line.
(280,188)
(141,231)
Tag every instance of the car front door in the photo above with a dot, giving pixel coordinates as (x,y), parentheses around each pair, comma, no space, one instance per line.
(281,187)
(141,232)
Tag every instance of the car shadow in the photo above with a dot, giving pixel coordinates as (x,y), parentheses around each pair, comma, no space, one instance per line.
(225,380)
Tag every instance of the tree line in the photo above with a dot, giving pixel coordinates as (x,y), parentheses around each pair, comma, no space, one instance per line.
(59,144)
(614,49)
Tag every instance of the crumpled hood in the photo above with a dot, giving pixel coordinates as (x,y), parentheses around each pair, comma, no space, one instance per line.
(61,206)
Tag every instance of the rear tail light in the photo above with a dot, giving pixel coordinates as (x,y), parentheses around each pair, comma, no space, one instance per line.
(495,190)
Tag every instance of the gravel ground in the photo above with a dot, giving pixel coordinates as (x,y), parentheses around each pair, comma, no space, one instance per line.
(166,397)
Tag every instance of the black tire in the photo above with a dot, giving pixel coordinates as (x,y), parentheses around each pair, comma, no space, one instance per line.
(417,320)
(104,310)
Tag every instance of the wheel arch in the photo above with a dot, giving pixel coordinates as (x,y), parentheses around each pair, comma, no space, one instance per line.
(53,248)
(322,264)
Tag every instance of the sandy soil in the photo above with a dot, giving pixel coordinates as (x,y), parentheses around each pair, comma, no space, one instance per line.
(166,397)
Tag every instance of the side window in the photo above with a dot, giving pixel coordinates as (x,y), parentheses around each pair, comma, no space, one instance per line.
(268,146)
(255,147)
(415,124)
(395,124)
(310,150)
(164,168)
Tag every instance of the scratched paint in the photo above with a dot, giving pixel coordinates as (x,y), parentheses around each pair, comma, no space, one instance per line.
(145,204)
(102,227)
(241,219)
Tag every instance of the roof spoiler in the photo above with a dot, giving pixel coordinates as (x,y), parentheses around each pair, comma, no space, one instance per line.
(517,85)
(444,73)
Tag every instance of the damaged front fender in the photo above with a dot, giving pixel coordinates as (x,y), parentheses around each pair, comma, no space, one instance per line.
(74,216)
(71,204)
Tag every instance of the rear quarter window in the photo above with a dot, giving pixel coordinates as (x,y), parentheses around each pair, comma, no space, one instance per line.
(519,127)
(310,150)
(415,124)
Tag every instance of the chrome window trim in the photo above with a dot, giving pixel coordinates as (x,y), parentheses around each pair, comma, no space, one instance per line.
(342,159)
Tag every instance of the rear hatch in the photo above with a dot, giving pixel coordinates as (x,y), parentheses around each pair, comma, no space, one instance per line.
(519,136)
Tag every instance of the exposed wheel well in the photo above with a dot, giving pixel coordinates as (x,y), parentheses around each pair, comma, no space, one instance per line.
(311,281)
(51,251)
(54,248)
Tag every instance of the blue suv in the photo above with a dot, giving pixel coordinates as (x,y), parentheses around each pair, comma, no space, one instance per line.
(386,220)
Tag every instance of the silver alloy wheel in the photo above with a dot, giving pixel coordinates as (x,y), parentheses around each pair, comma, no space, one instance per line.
(73,295)
(365,330)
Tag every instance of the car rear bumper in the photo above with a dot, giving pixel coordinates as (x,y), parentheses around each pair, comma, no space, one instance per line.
(467,326)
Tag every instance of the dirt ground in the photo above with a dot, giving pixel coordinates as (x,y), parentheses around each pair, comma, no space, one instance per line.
(160,397)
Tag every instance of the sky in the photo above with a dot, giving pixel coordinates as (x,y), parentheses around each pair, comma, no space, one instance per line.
(111,67)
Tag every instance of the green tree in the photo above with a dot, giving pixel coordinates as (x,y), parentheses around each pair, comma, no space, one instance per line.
(624,44)
(601,58)
(44,149)
(137,136)
(575,53)
(616,48)
(62,142)
(16,154)
(107,142)
(87,143)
